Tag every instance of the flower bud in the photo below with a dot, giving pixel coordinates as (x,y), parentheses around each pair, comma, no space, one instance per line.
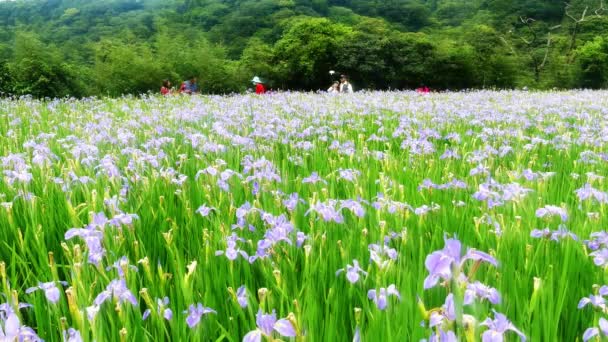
(358,316)
(262,292)
(191,268)
(123,335)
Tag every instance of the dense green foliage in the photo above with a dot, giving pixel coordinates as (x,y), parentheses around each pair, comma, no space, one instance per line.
(76,47)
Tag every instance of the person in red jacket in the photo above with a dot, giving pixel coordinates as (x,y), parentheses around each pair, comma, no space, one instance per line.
(259,86)
(423,89)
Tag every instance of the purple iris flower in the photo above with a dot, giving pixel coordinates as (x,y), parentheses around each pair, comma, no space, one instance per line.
(300,238)
(348,174)
(498,327)
(123,219)
(444,318)
(597,240)
(440,264)
(588,192)
(117,289)
(381,297)
(232,251)
(354,206)
(92,238)
(595,301)
(593,332)
(382,255)
(72,335)
(120,265)
(204,210)
(313,179)
(600,257)
(443,336)
(50,290)
(14,331)
(541,233)
(327,211)
(195,312)
(352,272)
(267,324)
(292,201)
(481,291)
(241,296)
(552,210)
(555,235)
(161,309)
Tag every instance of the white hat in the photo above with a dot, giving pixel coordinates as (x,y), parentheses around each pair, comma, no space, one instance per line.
(256,80)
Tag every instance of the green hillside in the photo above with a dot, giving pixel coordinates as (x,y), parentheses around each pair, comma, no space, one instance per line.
(81,48)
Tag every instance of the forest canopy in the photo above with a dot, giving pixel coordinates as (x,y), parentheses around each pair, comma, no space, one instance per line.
(57,48)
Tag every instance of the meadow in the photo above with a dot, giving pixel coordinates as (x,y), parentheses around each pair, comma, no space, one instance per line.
(376,216)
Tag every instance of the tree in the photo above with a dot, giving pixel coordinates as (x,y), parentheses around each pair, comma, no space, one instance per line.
(38,70)
(592,60)
(307,51)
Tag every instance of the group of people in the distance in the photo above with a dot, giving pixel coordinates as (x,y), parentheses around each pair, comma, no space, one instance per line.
(189,86)
(342,86)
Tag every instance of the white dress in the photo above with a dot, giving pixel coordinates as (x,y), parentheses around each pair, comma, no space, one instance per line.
(346,87)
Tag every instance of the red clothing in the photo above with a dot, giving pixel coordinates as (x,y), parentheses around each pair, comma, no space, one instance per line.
(260,89)
(164,90)
(423,90)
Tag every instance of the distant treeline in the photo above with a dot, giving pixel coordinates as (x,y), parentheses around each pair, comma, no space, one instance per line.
(57,48)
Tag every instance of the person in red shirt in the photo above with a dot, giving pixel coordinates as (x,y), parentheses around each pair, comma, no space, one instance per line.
(423,89)
(259,86)
(166,87)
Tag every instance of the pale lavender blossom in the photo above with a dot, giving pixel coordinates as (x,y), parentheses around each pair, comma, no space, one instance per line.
(121,265)
(195,312)
(204,210)
(555,235)
(380,297)
(497,327)
(327,211)
(300,239)
(588,192)
(14,331)
(443,336)
(597,240)
(354,206)
(480,291)
(118,290)
(267,324)
(595,301)
(93,239)
(348,174)
(161,309)
(313,179)
(382,254)
(292,201)
(50,289)
(241,296)
(552,210)
(593,332)
(72,335)
(442,263)
(600,257)
(352,272)
(232,251)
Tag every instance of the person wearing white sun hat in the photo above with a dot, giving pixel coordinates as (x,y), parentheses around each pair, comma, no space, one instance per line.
(259,85)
